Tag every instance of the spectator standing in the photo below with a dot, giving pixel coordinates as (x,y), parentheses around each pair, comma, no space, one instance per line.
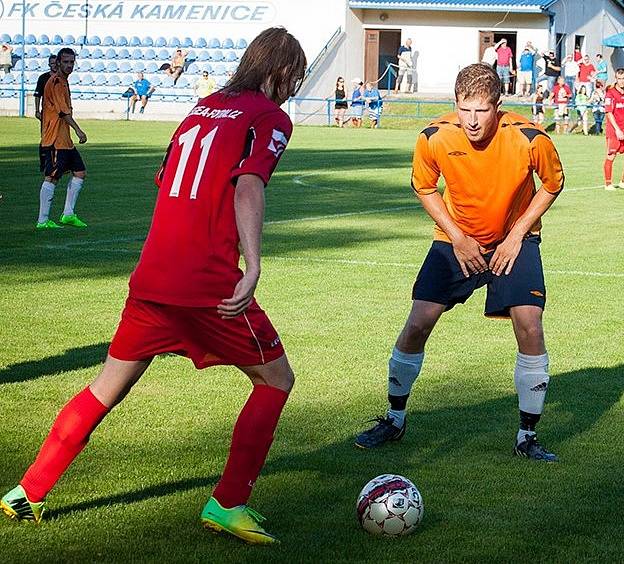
(552,68)
(602,73)
(205,85)
(570,72)
(6,62)
(538,104)
(525,69)
(561,97)
(490,56)
(614,110)
(357,103)
(581,101)
(577,57)
(142,89)
(340,102)
(405,66)
(597,100)
(375,104)
(504,64)
(587,74)
(41,84)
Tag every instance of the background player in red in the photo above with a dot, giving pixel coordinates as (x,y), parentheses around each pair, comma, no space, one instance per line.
(187,293)
(614,108)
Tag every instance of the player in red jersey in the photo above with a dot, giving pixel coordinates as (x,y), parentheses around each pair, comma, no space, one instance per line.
(614,108)
(187,293)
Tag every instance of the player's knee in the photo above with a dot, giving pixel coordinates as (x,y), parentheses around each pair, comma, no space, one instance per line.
(531,334)
(418,330)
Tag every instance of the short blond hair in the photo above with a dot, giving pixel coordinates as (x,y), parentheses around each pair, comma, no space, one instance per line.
(478,80)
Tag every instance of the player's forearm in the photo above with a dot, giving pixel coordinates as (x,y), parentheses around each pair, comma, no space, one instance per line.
(539,205)
(37,104)
(612,121)
(249,212)
(72,123)
(434,205)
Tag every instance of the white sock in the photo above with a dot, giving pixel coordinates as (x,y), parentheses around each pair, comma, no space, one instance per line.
(531,379)
(522,435)
(73,189)
(46,195)
(398,417)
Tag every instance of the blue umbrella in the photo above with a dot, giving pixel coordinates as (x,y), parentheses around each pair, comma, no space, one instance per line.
(616,40)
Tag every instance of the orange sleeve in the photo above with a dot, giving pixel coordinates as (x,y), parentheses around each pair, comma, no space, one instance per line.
(60,99)
(546,163)
(425,170)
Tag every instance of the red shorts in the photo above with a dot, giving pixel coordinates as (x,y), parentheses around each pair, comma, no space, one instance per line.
(148,328)
(614,145)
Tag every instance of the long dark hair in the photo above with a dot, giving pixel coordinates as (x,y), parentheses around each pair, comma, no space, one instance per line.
(274,59)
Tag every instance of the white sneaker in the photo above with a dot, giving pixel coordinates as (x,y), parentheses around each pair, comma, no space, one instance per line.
(610,188)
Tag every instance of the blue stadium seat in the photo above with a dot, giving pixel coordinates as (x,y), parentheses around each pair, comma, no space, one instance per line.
(191,55)
(100,80)
(45,52)
(166,81)
(121,41)
(187,42)
(138,66)
(98,66)
(241,44)
(123,53)
(18,38)
(219,69)
(193,68)
(85,53)
(30,39)
(201,43)
(149,54)
(32,65)
(43,39)
(97,53)
(57,40)
(214,43)
(125,66)
(84,66)
(160,42)
(113,80)
(207,67)
(134,41)
(137,54)
(108,41)
(231,67)
(81,40)
(183,82)
(216,55)
(32,52)
(231,56)
(204,56)
(127,79)
(73,79)
(18,51)
(31,77)
(164,55)
(227,44)
(94,40)
(112,66)
(152,67)
(147,41)
(5,38)
(69,40)
(110,53)
(174,42)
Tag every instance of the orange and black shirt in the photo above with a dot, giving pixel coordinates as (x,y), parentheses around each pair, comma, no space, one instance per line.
(487,189)
(56,105)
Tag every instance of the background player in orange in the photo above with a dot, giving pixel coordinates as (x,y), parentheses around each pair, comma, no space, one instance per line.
(614,108)
(58,153)
(187,292)
(487,233)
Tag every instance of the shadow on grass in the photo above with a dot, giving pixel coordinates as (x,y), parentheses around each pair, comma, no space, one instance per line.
(71,359)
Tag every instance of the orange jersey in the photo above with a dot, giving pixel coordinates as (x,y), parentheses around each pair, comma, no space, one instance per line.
(56,104)
(487,190)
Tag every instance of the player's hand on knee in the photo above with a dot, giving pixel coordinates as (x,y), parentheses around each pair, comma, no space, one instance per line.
(469,255)
(242,297)
(505,255)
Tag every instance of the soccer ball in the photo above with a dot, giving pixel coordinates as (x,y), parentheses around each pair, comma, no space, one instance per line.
(390,505)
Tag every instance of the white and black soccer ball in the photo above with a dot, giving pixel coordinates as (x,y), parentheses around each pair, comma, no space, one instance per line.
(390,505)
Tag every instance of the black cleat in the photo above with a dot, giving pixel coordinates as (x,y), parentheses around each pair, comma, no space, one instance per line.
(384,431)
(530,448)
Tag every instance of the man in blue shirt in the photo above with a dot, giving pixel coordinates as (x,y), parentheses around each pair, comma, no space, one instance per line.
(525,69)
(602,73)
(375,104)
(142,89)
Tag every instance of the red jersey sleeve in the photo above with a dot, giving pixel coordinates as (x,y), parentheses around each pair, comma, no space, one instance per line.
(267,139)
(608,103)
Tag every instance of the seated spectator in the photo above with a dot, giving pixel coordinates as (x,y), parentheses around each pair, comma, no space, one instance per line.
(538,104)
(597,100)
(375,104)
(142,90)
(176,67)
(205,85)
(6,62)
(357,103)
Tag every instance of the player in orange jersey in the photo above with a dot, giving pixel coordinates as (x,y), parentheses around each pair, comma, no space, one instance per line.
(614,109)
(487,233)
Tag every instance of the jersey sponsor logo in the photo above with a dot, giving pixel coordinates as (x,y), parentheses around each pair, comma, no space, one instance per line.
(278,143)
(537,293)
(457,154)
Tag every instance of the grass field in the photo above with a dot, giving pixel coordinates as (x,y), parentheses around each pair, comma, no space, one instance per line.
(342,247)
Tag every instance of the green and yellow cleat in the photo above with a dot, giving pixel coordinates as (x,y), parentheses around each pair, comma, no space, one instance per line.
(72,220)
(15,505)
(48,225)
(240,521)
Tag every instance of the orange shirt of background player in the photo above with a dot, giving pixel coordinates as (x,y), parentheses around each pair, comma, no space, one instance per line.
(487,189)
(56,104)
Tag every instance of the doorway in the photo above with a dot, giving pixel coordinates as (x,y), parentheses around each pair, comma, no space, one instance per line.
(381,47)
(490,38)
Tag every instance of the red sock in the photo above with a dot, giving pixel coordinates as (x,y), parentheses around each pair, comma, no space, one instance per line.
(68,436)
(608,171)
(251,441)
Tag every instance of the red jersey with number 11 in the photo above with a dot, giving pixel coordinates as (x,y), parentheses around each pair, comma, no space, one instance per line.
(191,254)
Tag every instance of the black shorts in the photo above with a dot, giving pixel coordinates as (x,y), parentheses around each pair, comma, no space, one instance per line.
(56,162)
(442,281)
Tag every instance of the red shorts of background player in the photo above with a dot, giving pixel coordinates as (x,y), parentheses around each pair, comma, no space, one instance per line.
(614,145)
(148,328)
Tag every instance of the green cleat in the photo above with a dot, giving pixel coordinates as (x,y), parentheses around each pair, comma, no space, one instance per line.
(72,220)
(240,521)
(48,225)
(15,505)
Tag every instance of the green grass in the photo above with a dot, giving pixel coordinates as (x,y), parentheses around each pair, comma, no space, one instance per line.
(338,289)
